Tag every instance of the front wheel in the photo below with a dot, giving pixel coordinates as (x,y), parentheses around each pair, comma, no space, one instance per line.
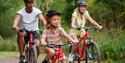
(34,54)
(92,54)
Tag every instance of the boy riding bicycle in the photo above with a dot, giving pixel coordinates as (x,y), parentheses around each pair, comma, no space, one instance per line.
(53,34)
(78,19)
(28,18)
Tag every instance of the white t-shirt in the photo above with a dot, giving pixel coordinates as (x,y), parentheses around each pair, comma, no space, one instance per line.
(29,21)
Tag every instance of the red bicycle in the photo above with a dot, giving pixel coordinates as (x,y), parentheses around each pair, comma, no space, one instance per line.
(31,49)
(89,48)
(56,58)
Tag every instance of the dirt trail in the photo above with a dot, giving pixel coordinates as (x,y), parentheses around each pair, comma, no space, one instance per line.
(7,59)
(13,57)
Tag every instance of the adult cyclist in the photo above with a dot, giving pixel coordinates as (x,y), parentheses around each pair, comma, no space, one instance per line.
(79,17)
(28,19)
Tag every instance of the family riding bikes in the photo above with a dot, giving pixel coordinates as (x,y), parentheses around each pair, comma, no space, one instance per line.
(26,25)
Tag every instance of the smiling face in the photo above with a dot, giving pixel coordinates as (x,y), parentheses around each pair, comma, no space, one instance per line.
(55,20)
(81,9)
(29,5)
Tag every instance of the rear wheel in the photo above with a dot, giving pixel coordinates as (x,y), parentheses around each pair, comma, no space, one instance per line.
(92,54)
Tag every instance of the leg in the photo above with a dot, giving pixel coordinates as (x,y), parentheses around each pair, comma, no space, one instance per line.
(37,46)
(73,49)
(49,54)
(21,45)
(37,42)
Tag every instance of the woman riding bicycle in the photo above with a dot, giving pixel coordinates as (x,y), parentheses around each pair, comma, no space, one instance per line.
(53,34)
(28,18)
(78,19)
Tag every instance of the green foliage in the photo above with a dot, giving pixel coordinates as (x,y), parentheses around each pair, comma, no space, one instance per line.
(111,44)
(8,10)
(8,44)
(114,9)
(113,48)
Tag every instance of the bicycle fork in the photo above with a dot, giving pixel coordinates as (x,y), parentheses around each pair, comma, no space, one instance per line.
(57,56)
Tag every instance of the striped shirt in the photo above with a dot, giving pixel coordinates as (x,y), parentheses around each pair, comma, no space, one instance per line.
(54,37)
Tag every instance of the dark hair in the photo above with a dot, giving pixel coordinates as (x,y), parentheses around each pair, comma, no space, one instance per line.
(28,0)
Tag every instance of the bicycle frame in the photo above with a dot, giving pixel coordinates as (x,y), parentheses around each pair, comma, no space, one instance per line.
(56,57)
(82,51)
(59,52)
(30,46)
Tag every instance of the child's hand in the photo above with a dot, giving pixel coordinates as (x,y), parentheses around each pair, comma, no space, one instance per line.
(44,43)
(75,41)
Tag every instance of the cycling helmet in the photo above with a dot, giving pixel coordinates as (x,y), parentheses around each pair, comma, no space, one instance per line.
(51,13)
(82,3)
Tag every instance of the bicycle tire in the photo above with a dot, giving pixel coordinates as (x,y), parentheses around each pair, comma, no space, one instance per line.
(34,54)
(27,54)
(93,51)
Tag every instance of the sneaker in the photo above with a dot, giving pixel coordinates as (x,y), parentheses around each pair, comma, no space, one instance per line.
(44,61)
(71,56)
(90,57)
(22,58)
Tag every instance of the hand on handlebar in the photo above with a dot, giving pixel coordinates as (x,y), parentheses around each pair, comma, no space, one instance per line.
(16,29)
(100,27)
(43,43)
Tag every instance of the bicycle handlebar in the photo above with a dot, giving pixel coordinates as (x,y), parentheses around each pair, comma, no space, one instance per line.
(88,28)
(23,30)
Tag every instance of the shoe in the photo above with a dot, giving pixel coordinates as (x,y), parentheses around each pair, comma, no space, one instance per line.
(22,58)
(44,61)
(71,56)
(90,57)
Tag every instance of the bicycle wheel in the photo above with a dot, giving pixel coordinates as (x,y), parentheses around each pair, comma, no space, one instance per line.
(27,54)
(92,53)
(34,54)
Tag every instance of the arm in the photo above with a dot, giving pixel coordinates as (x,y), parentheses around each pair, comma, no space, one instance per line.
(15,23)
(43,40)
(73,21)
(41,17)
(93,21)
(68,36)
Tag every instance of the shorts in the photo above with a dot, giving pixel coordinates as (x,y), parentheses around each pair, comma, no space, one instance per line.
(77,32)
(36,35)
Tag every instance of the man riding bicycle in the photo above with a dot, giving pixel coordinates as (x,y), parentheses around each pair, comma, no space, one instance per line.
(78,19)
(28,18)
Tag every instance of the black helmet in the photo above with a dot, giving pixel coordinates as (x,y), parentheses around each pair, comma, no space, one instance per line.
(82,3)
(51,13)
(28,0)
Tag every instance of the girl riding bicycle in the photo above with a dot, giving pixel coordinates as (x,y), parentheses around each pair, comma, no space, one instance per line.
(78,19)
(53,34)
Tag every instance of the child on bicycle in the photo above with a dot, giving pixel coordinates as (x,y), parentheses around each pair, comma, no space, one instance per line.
(53,34)
(78,19)
(27,18)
